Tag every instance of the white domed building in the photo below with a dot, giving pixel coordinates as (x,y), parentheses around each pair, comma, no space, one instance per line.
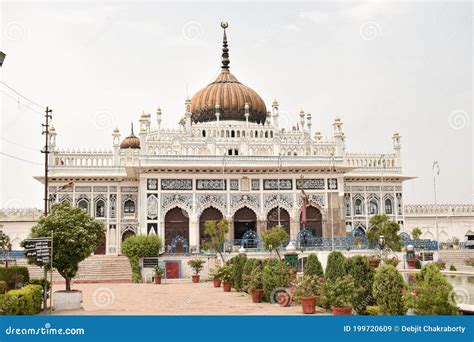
(229,157)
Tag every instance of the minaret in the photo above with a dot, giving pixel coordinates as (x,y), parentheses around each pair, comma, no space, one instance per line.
(52,144)
(302,120)
(308,123)
(338,136)
(116,145)
(397,147)
(188,115)
(158,121)
(247,114)
(218,111)
(143,132)
(276,113)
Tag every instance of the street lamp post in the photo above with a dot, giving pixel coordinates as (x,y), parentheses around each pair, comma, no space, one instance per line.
(435,170)
(381,184)
(278,182)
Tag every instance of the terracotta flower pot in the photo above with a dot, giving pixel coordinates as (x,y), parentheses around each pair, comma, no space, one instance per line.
(157,280)
(342,311)
(227,286)
(374,263)
(257,296)
(309,305)
(195,278)
(216,282)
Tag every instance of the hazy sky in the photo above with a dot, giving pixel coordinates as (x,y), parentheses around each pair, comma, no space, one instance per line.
(381,66)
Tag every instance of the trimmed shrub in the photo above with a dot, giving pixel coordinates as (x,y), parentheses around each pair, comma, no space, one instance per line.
(275,275)
(335,266)
(388,290)
(140,246)
(359,268)
(239,263)
(14,276)
(3,287)
(41,282)
(25,301)
(432,293)
(247,271)
(313,266)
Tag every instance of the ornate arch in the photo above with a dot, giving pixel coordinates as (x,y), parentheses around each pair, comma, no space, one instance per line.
(240,201)
(169,201)
(216,201)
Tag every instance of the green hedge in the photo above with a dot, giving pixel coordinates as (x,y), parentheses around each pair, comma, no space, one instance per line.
(140,246)
(25,301)
(359,268)
(335,266)
(388,290)
(14,276)
(275,275)
(239,263)
(313,267)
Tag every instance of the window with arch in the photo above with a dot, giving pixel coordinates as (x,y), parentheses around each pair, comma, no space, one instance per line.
(83,204)
(388,206)
(100,208)
(236,152)
(358,207)
(373,207)
(203,133)
(129,207)
(229,152)
(232,134)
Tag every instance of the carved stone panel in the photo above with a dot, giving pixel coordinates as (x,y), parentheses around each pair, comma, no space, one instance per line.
(152,207)
(211,184)
(152,184)
(272,184)
(310,184)
(237,201)
(255,184)
(285,200)
(215,200)
(176,184)
(169,200)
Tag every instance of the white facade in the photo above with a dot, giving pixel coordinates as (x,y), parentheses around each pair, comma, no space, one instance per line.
(454,220)
(17,223)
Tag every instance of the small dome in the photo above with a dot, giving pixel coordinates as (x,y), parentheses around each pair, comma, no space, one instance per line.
(132,141)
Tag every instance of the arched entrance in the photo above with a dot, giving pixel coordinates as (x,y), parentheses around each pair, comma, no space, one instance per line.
(314,221)
(177,231)
(127,234)
(272,219)
(209,214)
(100,250)
(244,220)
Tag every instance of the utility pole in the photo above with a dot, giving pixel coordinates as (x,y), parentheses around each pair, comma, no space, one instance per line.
(46,152)
(435,169)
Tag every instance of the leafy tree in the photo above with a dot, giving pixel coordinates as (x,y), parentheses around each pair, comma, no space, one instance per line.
(5,247)
(275,275)
(140,246)
(363,274)
(274,238)
(335,266)
(216,231)
(382,225)
(432,294)
(313,267)
(416,233)
(388,290)
(75,234)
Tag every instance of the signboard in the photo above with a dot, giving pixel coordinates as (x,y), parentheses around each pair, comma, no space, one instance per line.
(40,249)
(150,262)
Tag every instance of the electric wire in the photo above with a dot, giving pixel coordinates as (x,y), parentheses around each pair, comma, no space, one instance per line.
(20,159)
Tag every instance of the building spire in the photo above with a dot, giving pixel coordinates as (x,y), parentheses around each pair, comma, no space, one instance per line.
(225,50)
(132,126)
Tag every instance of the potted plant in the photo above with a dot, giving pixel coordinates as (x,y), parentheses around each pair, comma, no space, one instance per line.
(226,276)
(341,294)
(393,261)
(455,241)
(256,285)
(374,261)
(197,266)
(159,272)
(216,274)
(308,291)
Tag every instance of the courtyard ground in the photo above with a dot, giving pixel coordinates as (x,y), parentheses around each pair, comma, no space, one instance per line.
(180,298)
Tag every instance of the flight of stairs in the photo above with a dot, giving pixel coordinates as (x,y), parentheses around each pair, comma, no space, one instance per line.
(96,268)
(456,258)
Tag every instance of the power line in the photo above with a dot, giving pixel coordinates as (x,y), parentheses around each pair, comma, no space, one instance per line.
(20,94)
(18,101)
(20,145)
(20,159)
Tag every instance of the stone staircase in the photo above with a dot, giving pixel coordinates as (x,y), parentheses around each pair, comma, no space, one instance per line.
(456,258)
(96,268)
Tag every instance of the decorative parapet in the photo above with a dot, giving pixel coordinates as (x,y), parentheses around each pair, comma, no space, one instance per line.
(439,209)
(20,214)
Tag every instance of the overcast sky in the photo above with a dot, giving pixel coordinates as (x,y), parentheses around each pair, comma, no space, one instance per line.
(381,66)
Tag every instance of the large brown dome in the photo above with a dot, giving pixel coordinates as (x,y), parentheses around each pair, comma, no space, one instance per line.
(231,96)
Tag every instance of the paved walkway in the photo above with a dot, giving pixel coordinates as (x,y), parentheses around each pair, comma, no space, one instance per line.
(183,298)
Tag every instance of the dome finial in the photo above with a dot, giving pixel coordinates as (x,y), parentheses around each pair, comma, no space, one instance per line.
(225,50)
(131,127)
